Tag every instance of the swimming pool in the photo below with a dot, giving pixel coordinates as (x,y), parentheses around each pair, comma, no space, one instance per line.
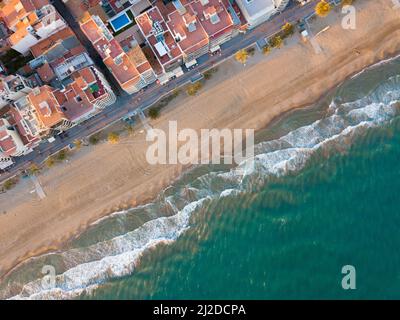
(121,21)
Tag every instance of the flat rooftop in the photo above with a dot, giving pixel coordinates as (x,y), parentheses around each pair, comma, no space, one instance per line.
(111,51)
(188,28)
(158,35)
(258,7)
(223,21)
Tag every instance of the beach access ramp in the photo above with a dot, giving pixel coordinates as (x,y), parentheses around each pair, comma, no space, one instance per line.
(38,187)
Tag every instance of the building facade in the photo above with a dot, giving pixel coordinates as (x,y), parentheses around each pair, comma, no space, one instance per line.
(12,88)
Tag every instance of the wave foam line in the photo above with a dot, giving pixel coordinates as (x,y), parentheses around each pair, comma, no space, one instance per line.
(130,247)
(88,267)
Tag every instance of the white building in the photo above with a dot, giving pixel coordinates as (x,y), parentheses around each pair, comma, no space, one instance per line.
(12,88)
(11,144)
(259,11)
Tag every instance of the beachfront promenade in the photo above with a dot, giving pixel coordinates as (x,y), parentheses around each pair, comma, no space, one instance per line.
(127,104)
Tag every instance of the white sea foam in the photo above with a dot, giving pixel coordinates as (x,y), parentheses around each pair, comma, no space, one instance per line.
(119,257)
(228,192)
(88,267)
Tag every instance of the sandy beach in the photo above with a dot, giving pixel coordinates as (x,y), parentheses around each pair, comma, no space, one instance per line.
(105,178)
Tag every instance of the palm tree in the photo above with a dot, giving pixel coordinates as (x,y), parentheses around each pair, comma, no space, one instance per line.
(78,144)
(113,137)
(50,162)
(192,89)
(154,113)
(242,56)
(9,184)
(94,139)
(61,155)
(33,169)
(322,8)
(276,42)
(287,29)
(266,50)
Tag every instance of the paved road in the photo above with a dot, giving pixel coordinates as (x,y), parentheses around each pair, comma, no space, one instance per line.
(152,94)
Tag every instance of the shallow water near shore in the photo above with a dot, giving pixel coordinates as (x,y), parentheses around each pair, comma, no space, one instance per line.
(323,195)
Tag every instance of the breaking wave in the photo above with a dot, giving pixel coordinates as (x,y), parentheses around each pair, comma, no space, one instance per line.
(88,267)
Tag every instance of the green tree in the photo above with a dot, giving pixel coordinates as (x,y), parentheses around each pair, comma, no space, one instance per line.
(276,42)
(251,51)
(154,113)
(94,139)
(61,155)
(9,184)
(33,169)
(266,50)
(209,73)
(50,162)
(193,88)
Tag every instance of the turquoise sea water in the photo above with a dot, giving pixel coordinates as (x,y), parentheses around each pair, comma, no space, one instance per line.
(324,194)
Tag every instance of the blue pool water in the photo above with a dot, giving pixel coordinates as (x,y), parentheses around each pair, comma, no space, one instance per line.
(120,22)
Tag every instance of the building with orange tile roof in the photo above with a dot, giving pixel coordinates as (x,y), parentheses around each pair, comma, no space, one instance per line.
(45,72)
(23,126)
(62,62)
(188,32)
(215,19)
(183,30)
(57,109)
(114,57)
(86,95)
(29,22)
(160,39)
(47,109)
(18,134)
(10,142)
(45,45)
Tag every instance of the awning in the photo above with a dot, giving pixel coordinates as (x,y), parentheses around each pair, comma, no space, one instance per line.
(164,78)
(191,63)
(215,49)
(178,72)
(5,162)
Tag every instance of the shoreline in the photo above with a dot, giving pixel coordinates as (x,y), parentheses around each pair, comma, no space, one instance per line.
(174,174)
(58,246)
